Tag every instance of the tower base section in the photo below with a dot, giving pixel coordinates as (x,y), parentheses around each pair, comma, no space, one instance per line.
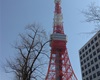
(60,67)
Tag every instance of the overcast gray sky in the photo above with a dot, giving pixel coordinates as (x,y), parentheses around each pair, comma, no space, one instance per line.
(16,14)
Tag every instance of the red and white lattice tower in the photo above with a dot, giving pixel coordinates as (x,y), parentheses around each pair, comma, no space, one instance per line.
(59,65)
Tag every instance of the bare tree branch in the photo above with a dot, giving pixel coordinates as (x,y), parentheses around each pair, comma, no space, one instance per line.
(92,14)
(31,46)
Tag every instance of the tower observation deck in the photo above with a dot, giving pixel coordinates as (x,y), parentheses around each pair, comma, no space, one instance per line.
(59,65)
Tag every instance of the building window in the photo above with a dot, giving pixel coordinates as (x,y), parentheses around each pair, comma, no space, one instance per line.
(82,63)
(84,60)
(91,62)
(89,70)
(83,55)
(94,53)
(80,52)
(81,58)
(89,50)
(83,74)
(91,77)
(86,72)
(88,64)
(90,56)
(85,47)
(93,68)
(99,56)
(97,66)
(87,58)
(95,59)
(97,44)
(92,42)
(93,47)
(98,73)
(82,68)
(85,66)
(95,38)
(98,50)
(89,45)
(94,75)
(87,78)
(99,35)
(86,52)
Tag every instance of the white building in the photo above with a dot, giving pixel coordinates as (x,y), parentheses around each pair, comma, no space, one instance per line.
(90,58)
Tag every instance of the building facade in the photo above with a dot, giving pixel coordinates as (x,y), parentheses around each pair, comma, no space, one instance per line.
(90,58)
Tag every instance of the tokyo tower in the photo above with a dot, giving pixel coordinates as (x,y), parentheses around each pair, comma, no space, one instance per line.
(59,65)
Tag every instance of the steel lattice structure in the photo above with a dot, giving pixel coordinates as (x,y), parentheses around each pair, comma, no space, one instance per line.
(59,64)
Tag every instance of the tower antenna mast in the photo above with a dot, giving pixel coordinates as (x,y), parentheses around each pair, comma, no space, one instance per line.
(59,65)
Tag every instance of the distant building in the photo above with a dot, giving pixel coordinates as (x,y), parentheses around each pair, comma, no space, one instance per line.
(90,58)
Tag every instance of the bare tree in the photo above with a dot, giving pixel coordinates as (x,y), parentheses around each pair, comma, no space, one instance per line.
(92,14)
(31,49)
